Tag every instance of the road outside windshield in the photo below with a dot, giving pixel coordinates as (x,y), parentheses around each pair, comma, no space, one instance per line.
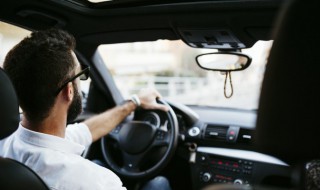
(170,67)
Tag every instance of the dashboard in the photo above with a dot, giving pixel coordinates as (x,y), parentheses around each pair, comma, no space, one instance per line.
(221,148)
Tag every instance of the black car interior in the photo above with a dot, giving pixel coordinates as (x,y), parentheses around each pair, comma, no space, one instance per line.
(280,151)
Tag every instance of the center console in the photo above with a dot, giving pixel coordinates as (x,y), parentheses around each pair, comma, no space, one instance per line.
(247,169)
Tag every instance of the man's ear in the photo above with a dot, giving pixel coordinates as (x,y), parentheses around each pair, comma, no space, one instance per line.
(68,91)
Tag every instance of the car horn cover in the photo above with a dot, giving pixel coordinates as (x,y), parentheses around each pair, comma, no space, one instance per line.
(130,137)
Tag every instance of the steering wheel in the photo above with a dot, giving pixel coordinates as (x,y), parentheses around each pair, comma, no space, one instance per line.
(151,134)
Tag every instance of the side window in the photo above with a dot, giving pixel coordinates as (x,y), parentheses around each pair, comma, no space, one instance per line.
(85,85)
(10,35)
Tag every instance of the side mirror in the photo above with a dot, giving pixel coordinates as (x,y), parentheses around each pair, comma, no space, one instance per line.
(223,61)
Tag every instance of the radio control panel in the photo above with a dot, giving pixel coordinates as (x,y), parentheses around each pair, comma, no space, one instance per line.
(212,169)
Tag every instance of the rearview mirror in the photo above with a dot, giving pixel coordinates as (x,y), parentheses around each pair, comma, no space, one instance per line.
(223,61)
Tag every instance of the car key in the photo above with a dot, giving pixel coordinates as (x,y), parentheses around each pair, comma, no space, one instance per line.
(192,149)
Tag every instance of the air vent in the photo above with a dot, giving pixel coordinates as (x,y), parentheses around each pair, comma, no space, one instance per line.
(216,132)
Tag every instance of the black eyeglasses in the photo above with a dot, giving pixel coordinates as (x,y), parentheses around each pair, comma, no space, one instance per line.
(83,75)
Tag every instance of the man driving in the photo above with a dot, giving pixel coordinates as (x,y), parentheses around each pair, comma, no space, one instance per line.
(45,73)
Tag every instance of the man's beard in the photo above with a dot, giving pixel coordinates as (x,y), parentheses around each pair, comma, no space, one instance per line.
(75,107)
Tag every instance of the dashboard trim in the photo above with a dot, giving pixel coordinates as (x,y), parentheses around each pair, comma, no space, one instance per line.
(242,154)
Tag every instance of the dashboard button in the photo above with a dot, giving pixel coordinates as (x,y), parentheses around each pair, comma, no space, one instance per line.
(206,177)
(238,181)
(194,131)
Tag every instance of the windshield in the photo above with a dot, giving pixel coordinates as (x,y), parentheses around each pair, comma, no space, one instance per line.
(170,67)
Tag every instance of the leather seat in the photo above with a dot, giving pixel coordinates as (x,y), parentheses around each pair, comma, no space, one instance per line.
(288,115)
(13,175)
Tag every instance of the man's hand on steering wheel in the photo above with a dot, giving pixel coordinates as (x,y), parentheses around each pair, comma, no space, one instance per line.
(148,97)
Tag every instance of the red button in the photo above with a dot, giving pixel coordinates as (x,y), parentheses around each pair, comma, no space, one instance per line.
(231,132)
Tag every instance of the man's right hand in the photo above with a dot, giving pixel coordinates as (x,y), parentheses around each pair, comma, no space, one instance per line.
(148,98)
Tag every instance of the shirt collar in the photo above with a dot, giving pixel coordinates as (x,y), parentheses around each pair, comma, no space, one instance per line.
(48,141)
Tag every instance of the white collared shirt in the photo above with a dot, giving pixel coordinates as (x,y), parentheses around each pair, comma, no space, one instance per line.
(58,160)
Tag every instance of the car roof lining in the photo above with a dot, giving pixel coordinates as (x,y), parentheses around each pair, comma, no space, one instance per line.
(141,3)
(130,36)
(249,20)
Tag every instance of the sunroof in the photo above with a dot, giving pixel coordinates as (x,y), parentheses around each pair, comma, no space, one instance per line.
(145,2)
(131,3)
(98,1)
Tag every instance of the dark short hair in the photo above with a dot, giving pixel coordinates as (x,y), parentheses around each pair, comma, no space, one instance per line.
(37,66)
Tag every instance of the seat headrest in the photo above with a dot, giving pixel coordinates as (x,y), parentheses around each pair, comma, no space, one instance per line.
(9,108)
(289,110)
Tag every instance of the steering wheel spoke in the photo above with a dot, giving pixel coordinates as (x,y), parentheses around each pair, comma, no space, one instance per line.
(114,134)
(131,163)
(162,138)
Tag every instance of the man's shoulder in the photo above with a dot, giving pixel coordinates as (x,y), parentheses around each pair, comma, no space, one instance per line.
(5,144)
(79,133)
(80,173)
